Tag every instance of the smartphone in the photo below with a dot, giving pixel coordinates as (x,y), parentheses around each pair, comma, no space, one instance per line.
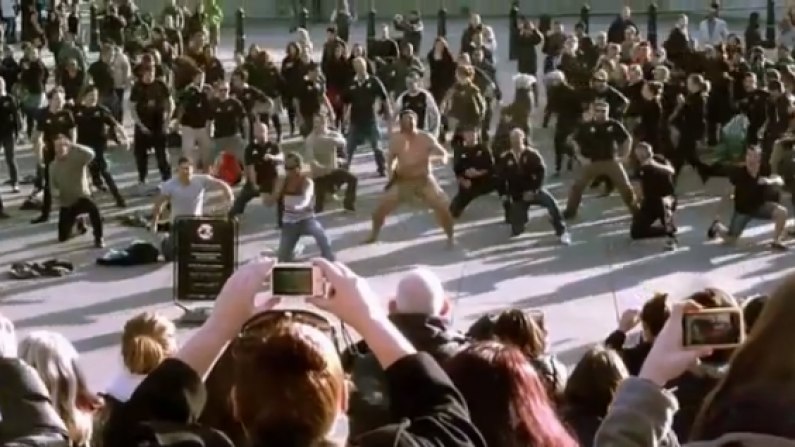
(538,316)
(296,280)
(713,328)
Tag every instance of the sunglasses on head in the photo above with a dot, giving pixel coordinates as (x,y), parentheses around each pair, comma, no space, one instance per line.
(260,326)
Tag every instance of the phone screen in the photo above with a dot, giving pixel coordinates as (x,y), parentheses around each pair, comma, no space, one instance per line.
(712,328)
(292,281)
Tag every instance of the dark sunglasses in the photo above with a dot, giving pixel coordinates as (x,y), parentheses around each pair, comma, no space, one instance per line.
(263,324)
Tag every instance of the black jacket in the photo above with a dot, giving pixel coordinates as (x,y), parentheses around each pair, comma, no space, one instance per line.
(633,356)
(25,404)
(432,411)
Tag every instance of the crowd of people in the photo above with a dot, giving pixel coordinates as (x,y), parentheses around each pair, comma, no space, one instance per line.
(262,372)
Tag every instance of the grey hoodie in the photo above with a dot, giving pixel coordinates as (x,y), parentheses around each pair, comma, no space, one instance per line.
(642,412)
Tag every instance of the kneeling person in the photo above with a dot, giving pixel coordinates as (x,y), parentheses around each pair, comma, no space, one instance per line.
(656,176)
(473,166)
(755,197)
(69,183)
(521,172)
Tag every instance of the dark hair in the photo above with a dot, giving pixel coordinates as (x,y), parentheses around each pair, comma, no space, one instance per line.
(183,159)
(56,91)
(594,381)
(752,309)
(655,313)
(517,328)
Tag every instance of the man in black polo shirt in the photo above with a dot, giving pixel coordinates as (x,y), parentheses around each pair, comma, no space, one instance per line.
(261,160)
(756,196)
(51,122)
(601,145)
(193,112)
(151,105)
(361,99)
(310,98)
(229,119)
(656,177)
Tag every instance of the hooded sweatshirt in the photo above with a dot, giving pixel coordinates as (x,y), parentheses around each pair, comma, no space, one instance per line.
(642,413)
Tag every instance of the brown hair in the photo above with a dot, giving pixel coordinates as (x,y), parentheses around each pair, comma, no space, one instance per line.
(147,340)
(760,371)
(655,313)
(594,380)
(288,384)
(518,328)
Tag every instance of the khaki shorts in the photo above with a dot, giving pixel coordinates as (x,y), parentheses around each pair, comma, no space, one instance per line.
(411,190)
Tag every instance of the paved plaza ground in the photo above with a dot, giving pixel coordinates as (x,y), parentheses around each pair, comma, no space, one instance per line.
(581,288)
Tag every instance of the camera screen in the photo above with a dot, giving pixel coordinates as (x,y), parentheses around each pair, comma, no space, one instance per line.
(292,281)
(712,328)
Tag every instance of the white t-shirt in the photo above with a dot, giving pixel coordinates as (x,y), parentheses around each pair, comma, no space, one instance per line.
(187,200)
(8,8)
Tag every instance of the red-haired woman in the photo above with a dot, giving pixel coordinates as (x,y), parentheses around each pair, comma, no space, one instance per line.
(507,400)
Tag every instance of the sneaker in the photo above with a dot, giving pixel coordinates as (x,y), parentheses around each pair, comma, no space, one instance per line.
(14,188)
(671,244)
(565,238)
(712,231)
(99,242)
(778,246)
(40,219)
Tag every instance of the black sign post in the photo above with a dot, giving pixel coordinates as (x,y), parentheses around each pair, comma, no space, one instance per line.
(206,256)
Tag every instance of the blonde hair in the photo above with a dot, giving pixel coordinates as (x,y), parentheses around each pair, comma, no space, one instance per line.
(147,340)
(55,359)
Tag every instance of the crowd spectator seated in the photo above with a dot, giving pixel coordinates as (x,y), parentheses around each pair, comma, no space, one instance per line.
(420,310)
(526,331)
(55,359)
(27,413)
(651,318)
(749,404)
(289,387)
(508,402)
(147,340)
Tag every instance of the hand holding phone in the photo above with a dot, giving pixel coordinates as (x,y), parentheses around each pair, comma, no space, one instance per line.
(713,328)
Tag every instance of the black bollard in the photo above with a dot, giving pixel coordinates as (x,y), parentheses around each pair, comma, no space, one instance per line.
(343,24)
(651,36)
(585,17)
(371,39)
(441,24)
(770,29)
(513,26)
(240,31)
(93,29)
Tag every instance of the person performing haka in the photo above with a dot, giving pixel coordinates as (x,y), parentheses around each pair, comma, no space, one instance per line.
(410,176)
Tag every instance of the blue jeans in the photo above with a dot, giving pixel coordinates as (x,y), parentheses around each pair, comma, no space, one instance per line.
(111,101)
(365,133)
(519,208)
(292,232)
(739,221)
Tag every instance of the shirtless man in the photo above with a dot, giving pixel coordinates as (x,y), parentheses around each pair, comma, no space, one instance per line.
(412,178)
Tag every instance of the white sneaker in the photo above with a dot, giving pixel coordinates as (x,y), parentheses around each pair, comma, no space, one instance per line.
(565,238)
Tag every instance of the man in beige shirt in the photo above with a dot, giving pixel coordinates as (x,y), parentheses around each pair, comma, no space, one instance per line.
(69,183)
(321,154)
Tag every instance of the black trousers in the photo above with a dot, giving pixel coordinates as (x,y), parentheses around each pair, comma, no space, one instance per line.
(142,144)
(651,211)
(328,184)
(686,152)
(69,214)
(249,192)
(98,169)
(9,152)
(563,149)
(464,196)
(43,184)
